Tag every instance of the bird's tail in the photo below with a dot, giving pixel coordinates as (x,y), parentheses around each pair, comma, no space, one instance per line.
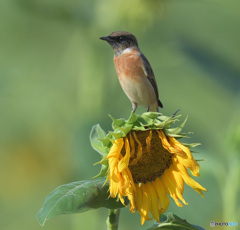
(160,103)
(153,109)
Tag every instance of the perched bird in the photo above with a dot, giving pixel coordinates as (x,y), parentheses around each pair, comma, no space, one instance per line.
(134,71)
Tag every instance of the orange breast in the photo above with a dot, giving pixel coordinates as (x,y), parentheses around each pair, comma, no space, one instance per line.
(129,64)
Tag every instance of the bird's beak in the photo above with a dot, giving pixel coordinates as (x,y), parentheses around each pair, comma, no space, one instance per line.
(107,38)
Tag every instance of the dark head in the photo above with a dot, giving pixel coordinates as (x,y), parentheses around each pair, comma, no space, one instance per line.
(121,40)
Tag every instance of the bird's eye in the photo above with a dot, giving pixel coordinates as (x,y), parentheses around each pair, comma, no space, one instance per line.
(121,38)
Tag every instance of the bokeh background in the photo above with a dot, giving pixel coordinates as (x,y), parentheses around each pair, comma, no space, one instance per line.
(57,80)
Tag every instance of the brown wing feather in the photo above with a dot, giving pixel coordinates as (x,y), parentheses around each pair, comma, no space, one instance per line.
(150,76)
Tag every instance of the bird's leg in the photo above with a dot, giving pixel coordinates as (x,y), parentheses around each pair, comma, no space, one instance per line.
(134,106)
(148,108)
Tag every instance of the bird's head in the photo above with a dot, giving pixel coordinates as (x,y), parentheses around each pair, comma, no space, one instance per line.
(120,41)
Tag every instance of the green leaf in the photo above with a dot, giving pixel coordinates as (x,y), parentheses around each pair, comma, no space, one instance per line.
(174,222)
(178,129)
(139,127)
(133,118)
(117,122)
(125,129)
(146,121)
(162,117)
(165,123)
(96,134)
(191,145)
(107,141)
(77,197)
(104,168)
(151,115)
(116,134)
(181,135)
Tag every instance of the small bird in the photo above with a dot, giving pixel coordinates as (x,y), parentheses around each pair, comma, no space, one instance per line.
(134,71)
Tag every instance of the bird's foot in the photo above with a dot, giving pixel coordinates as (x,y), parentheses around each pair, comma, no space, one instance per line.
(134,106)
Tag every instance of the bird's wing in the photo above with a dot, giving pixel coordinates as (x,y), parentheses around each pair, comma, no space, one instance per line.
(150,76)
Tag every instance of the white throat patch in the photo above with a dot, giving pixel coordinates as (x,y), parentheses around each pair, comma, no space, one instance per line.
(128,50)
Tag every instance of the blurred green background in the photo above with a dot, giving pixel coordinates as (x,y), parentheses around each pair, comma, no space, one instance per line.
(57,79)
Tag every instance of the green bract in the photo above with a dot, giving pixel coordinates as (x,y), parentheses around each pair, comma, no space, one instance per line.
(102,142)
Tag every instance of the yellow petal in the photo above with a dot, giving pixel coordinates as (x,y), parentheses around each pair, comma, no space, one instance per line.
(153,201)
(162,194)
(139,150)
(186,157)
(114,175)
(148,140)
(168,183)
(165,143)
(116,148)
(177,175)
(191,164)
(177,186)
(113,187)
(132,145)
(121,199)
(124,162)
(189,181)
(176,144)
(125,182)
(144,206)
(130,179)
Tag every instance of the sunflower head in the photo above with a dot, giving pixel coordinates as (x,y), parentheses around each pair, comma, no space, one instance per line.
(145,162)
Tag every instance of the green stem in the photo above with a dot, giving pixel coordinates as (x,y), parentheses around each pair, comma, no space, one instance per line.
(112,220)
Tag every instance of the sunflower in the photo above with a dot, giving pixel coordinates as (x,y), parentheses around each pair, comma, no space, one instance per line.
(146,163)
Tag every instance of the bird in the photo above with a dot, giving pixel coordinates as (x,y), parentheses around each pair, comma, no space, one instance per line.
(134,72)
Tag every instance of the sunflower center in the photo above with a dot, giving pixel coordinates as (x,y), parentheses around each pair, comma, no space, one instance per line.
(154,158)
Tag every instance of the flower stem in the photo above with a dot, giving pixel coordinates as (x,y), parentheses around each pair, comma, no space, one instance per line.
(112,220)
